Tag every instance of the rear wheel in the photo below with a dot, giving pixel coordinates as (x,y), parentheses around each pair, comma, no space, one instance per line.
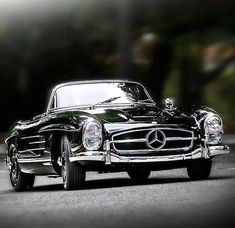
(20,181)
(138,173)
(73,174)
(199,169)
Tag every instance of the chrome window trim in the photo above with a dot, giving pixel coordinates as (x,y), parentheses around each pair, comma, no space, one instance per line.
(38,142)
(53,93)
(143,116)
(31,137)
(34,149)
(56,129)
(33,160)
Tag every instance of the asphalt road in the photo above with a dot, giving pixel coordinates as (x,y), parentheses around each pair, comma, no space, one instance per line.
(167,199)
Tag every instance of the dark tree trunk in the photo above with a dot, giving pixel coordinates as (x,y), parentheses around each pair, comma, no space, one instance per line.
(191,89)
(193,79)
(159,69)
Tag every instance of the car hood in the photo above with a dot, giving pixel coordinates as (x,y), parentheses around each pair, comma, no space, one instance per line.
(119,118)
(139,114)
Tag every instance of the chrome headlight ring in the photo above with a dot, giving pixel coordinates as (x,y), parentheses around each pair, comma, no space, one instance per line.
(92,135)
(213,126)
(213,123)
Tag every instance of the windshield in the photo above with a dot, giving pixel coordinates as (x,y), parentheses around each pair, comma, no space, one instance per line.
(93,94)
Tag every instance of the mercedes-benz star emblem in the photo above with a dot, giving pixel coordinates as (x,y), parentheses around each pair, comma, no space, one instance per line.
(156,139)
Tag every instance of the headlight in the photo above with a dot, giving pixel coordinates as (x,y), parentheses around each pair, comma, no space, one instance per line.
(213,124)
(213,129)
(92,135)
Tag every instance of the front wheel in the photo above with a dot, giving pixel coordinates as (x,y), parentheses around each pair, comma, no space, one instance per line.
(20,181)
(199,169)
(73,174)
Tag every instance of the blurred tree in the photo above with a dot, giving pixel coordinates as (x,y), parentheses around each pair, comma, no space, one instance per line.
(96,39)
(195,75)
(159,68)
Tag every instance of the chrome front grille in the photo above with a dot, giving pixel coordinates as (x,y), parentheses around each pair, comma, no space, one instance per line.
(153,140)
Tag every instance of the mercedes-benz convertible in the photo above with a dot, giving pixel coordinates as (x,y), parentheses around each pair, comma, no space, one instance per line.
(112,126)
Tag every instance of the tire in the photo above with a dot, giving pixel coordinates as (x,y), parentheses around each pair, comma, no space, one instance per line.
(73,174)
(199,169)
(20,181)
(139,173)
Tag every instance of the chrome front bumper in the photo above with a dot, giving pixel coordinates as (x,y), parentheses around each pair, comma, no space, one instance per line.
(108,157)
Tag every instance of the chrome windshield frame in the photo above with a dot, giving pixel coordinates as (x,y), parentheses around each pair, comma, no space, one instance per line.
(53,93)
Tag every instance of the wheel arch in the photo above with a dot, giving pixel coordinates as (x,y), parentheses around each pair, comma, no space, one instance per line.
(12,139)
(56,131)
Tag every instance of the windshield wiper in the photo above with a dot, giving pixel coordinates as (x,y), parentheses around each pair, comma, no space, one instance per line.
(106,101)
(144,102)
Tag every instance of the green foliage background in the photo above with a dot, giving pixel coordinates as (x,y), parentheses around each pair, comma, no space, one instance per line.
(179,48)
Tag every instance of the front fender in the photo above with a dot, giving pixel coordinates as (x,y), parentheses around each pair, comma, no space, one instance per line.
(11,138)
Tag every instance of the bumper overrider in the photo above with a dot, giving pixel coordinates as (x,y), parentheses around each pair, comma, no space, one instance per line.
(109,157)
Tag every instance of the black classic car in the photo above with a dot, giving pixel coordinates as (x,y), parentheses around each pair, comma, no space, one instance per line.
(110,126)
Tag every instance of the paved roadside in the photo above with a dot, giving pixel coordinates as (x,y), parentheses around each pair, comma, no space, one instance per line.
(167,199)
(2,149)
(229,139)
